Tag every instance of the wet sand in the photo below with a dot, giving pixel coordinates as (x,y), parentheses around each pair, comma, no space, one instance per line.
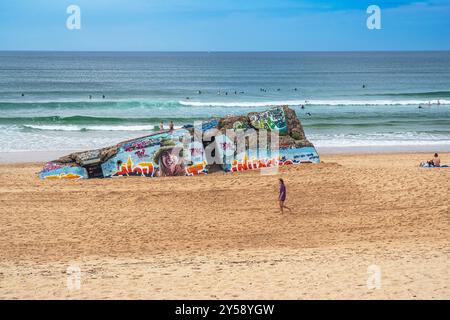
(222,236)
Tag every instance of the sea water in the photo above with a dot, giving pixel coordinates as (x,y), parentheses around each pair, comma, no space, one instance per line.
(80,100)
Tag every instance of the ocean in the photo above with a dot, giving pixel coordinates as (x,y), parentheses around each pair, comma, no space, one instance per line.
(52,101)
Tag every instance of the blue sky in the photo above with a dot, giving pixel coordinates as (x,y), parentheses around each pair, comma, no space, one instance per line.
(224,25)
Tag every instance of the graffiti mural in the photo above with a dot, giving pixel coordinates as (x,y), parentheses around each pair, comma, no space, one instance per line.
(130,168)
(54,171)
(196,159)
(182,152)
(249,160)
(273,119)
(299,155)
(157,156)
(225,149)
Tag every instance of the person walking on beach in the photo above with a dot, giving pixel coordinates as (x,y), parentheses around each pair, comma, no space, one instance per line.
(171,126)
(161,126)
(282,196)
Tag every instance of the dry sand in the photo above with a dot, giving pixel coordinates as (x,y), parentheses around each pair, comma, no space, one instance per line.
(222,236)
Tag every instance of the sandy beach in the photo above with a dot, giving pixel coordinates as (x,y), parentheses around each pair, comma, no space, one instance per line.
(221,236)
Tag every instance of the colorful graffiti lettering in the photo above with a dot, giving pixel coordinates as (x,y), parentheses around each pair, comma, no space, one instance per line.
(148,169)
(196,169)
(65,172)
(285,158)
(141,169)
(246,164)
(64,176)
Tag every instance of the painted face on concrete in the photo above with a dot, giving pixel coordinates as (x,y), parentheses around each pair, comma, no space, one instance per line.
(170,161)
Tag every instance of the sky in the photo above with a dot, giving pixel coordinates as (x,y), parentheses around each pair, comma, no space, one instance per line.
(224,25)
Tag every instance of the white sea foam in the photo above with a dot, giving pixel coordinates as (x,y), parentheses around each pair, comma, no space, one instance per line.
(297,102)
(315,102)
(335,143)
(92,128)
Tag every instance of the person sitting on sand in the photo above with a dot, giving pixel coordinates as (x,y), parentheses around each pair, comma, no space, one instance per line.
(436,162)
(282,196)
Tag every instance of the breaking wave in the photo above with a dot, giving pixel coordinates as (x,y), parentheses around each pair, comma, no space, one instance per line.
(431,94)
(136,105)
(150,128)
(91,120)
(316,102)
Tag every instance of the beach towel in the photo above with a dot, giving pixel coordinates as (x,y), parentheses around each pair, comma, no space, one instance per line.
(427,165)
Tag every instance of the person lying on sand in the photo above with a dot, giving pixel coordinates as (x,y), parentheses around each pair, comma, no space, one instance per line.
(282,196)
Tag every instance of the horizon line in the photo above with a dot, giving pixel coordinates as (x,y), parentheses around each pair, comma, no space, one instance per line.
(223,51)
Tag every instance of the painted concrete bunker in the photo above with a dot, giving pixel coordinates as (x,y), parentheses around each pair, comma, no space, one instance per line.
(271,138)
